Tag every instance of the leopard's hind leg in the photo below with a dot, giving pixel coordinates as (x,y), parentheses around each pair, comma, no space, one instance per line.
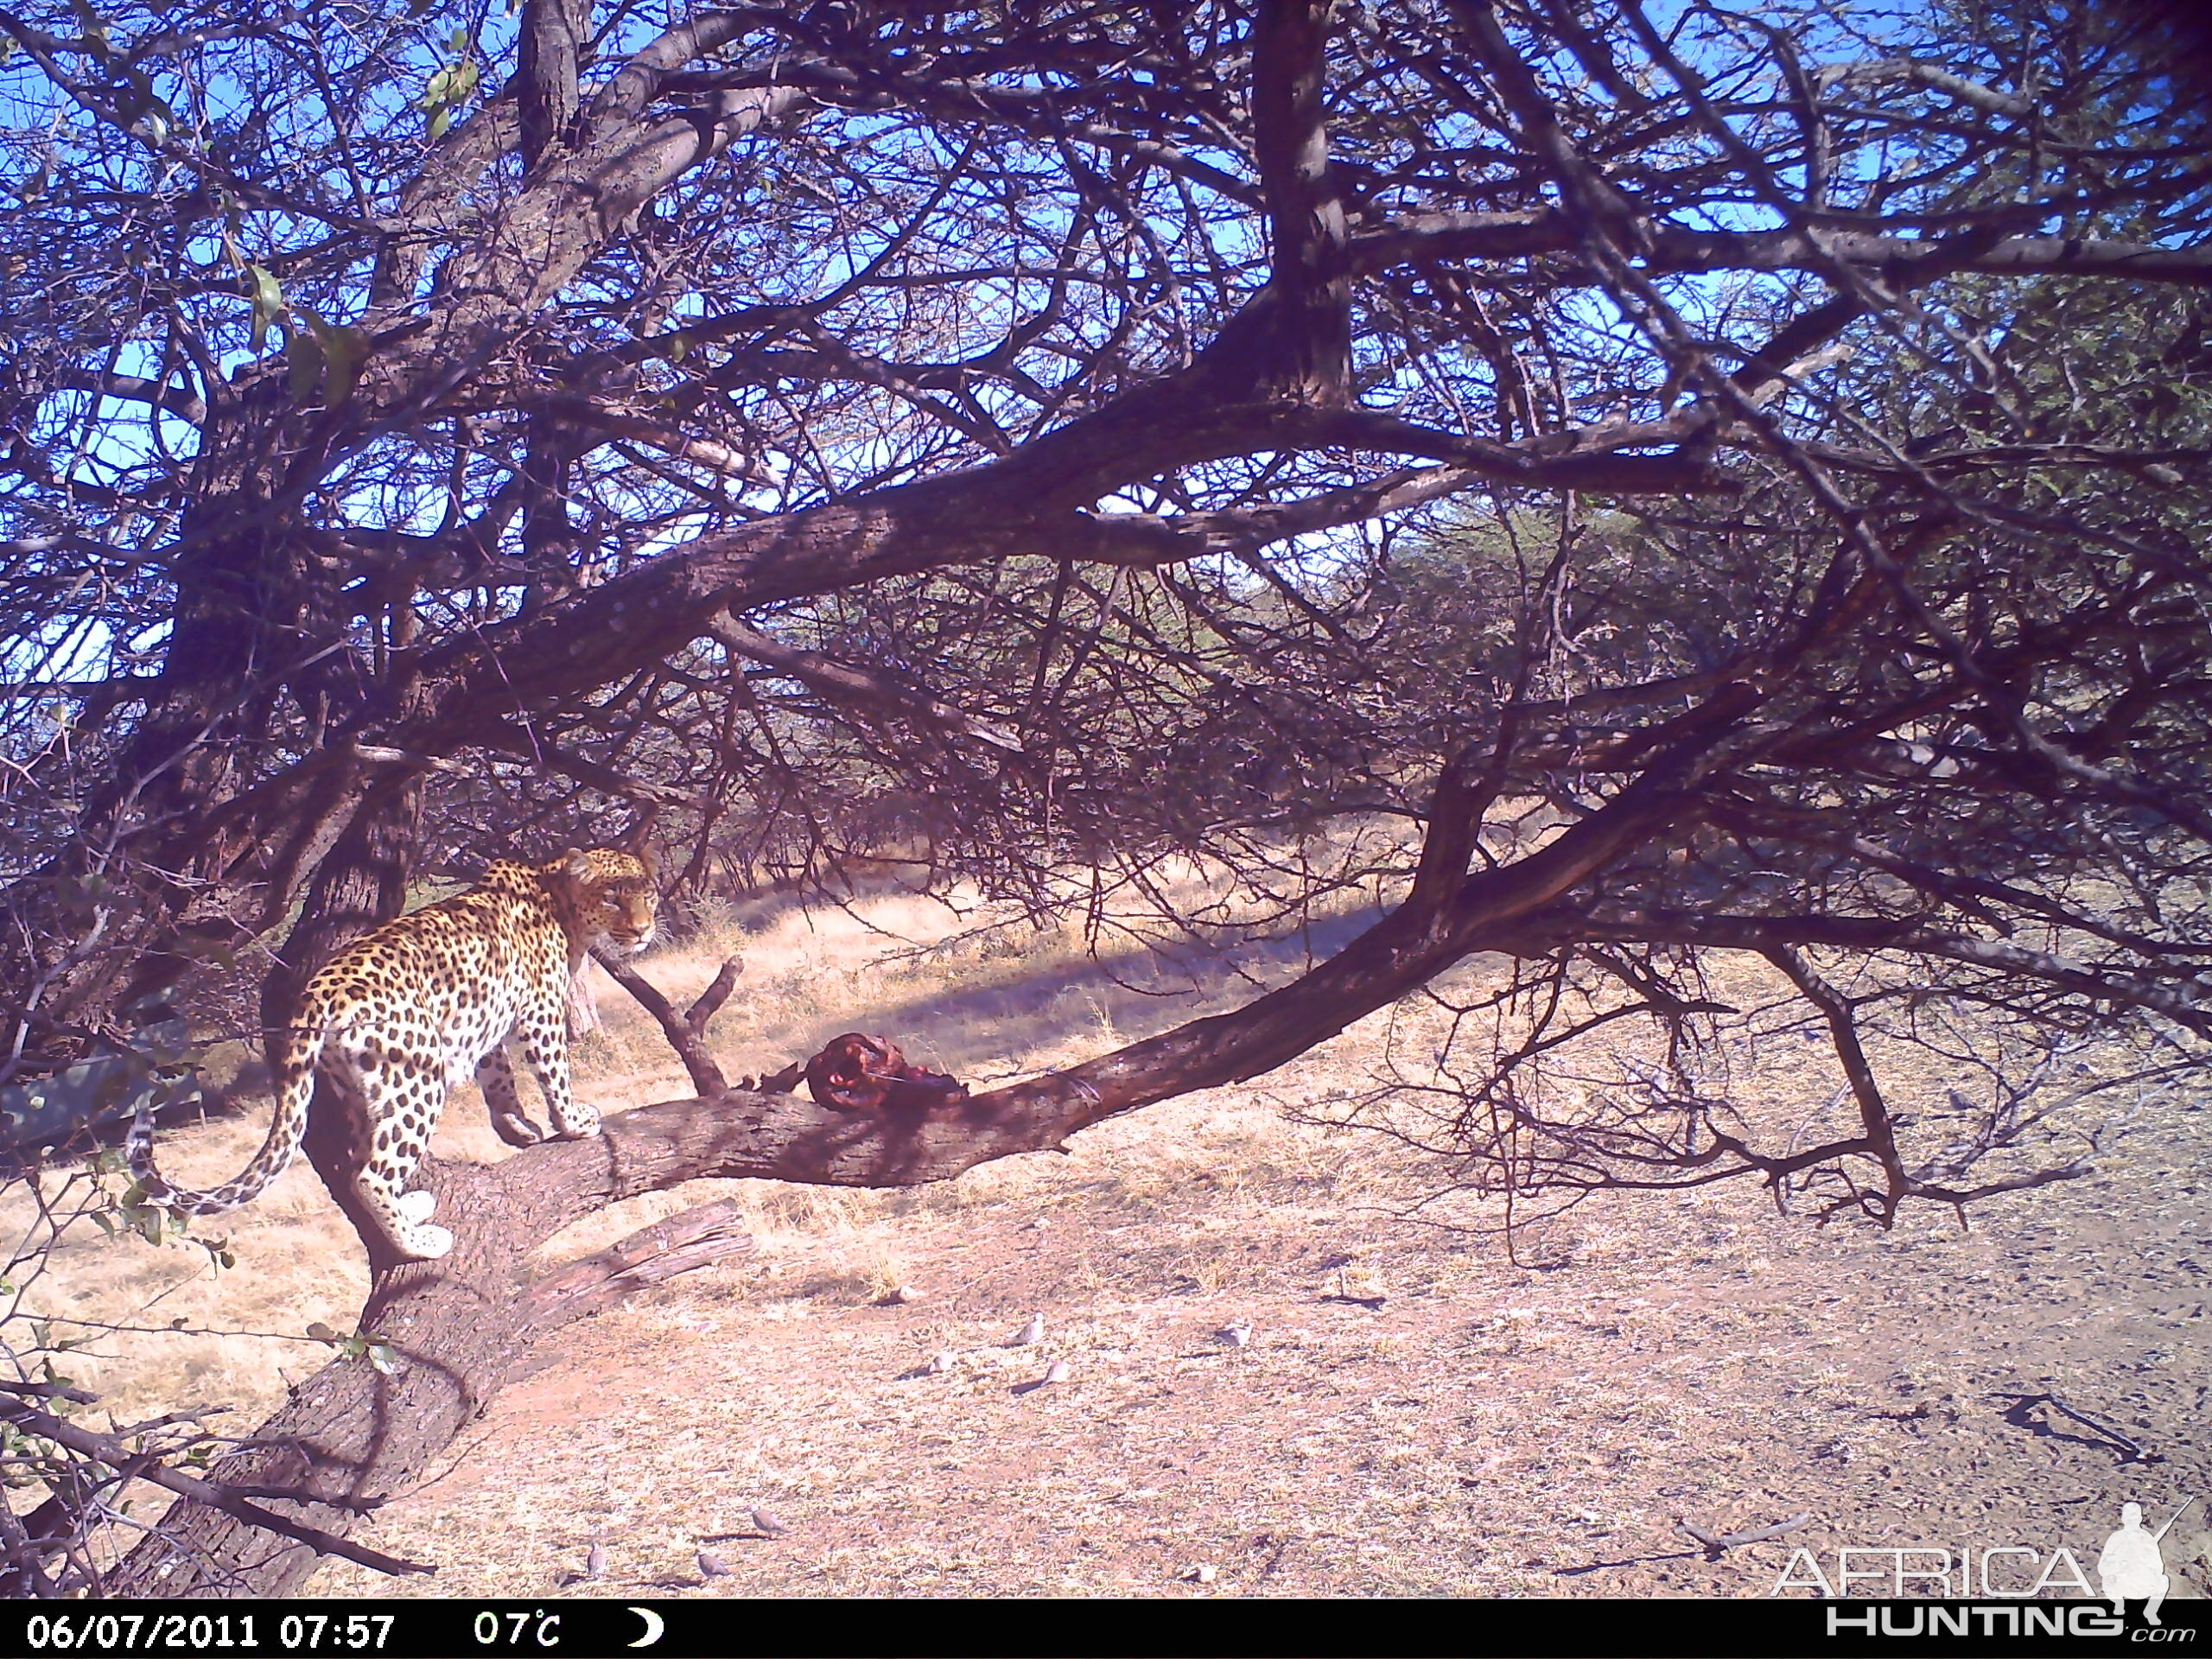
(405,1215)
(398,1100)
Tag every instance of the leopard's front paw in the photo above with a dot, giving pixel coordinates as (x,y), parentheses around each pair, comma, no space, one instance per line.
(579,1123)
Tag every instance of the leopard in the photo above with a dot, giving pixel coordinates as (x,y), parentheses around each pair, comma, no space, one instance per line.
(411,1009)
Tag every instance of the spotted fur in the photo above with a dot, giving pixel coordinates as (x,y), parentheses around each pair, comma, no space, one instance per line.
(412,1008)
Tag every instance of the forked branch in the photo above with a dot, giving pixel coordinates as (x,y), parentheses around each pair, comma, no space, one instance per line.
(686,1031)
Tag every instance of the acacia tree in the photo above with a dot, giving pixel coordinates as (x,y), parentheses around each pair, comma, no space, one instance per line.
(1758,453)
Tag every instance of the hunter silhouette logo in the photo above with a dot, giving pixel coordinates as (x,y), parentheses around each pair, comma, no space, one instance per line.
(2130,1564)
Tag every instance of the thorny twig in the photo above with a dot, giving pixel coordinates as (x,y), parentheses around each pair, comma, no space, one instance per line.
(1716,1542)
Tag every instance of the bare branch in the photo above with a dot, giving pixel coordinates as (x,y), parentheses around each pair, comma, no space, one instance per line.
(143,1466)
(684,1037)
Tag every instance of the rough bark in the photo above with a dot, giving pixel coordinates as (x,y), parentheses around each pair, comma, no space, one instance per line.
(548,89)
(360,882)
(461,1328)
(1307,228)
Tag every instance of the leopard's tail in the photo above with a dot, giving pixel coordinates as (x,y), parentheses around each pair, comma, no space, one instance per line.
(298,1052)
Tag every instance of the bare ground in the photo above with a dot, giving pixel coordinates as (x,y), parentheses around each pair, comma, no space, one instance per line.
(1488,1429)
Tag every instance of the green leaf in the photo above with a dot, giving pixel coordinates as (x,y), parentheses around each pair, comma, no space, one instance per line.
(268,296)
(321,1332)
(450,87)
(304,358)
(345,348)
(385,1357)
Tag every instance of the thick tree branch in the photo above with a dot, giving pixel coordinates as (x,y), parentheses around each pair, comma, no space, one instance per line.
(581,197)
(546,80)
(879,693)
(361,1430)
(1305,213)
(992,512)
(1672,249)
(649,1256)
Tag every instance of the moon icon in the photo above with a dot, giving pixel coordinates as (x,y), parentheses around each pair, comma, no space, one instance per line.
(656,1627)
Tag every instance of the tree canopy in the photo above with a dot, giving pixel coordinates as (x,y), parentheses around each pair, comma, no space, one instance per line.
(1719,480)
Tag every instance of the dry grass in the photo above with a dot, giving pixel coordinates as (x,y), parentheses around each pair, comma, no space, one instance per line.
(1521,1422)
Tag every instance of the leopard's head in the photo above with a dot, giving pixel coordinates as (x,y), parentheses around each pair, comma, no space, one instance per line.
(614,894)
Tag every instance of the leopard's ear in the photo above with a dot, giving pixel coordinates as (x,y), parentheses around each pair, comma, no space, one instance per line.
(576,864)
